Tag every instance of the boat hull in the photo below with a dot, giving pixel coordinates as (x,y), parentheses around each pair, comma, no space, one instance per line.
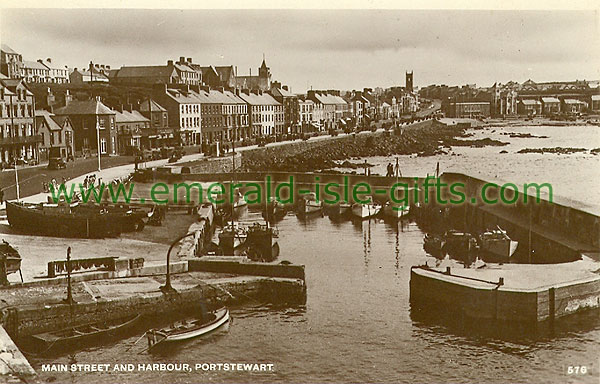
(365,211)
(504,248)
(156,337)
(35,219)
(396,212)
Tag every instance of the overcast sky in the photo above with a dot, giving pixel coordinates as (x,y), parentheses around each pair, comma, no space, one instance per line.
(340,49)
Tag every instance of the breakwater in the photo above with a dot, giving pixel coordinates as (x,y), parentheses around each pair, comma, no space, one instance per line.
(424,138)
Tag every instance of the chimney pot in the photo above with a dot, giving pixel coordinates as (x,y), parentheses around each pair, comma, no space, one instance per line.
(189,60)
(49,60)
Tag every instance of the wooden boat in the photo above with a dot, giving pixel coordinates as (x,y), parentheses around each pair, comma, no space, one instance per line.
(394,211)
(459,243)
(366,210)
(11,260)
(434,245)
(232,238)
(261,243)
(273,210)
(80,335)
(188,329)
(497,242)
(309,204)
(63,219)
(339,210)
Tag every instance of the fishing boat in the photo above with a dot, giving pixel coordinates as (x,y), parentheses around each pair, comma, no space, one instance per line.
(459,243)
(497,242)
(62,219)
(261,243)
(273,210)
(339,210)
(188,329)
(366,210)
(11,259)
(309,204)
(232,238)
(395,211)
(434,244)
(77,336)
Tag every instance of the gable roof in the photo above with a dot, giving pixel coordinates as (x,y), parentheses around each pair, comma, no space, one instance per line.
(7,49)
(224,72)
(46,117)
(85,107)
(154,105)
(281,92)
(129,117)
(34,65)
(146,71)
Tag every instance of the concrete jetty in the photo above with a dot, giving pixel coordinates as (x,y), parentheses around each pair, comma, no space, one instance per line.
(513,293)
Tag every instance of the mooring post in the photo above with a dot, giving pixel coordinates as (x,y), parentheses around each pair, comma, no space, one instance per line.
(448,271)
(501,281)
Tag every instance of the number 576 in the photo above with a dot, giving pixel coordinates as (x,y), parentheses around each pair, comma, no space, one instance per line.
(576,370)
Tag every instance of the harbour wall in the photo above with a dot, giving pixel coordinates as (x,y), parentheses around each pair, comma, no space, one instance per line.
(493,301)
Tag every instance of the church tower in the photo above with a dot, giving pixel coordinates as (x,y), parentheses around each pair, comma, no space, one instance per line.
(409,81)
(264,74)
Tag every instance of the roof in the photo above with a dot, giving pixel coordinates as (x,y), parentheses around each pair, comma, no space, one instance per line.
(181,96)
(146,71)
(46,117)
(210,69)
(154,105)
(224,72)
(86,107)
(60,120)
(7,49)
(573,101)
(12,85)
(34,65)
(183,67)
(530,102)
(327,98)
(282,92)
(550,100)
(254,99)
(86,74)
(129,117)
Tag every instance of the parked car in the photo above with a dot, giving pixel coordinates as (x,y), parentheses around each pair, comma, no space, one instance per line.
(56,163)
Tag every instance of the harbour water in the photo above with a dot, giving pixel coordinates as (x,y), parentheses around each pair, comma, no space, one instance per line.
(357,324)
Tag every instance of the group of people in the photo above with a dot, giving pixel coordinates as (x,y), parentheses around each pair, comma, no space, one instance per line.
(393,171)
(90,181)
(52,183)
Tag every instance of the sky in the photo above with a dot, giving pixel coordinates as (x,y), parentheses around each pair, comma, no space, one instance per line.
(322,49)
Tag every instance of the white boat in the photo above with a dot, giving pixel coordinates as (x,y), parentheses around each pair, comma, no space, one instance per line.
(395,211)
(309,204)
(188,329)
(496,241)
(366,210)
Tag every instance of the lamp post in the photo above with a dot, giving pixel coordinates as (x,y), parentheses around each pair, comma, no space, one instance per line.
(98,143)
(167,288)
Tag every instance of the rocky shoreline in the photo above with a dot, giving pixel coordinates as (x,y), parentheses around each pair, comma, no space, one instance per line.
(426,138)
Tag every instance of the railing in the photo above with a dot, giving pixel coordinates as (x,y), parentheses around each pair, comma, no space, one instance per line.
(98,263)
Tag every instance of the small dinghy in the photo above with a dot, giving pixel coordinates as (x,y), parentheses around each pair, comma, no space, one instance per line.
(188,329)
(309,204)
(394,211)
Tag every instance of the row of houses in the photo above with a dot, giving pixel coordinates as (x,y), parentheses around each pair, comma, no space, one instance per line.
(528,98)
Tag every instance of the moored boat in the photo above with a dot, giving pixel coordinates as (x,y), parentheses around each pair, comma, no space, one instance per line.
(188,329)
(63,219)
(395,211)
(232,238)
(366,210)
(261,243)
(497,242)
(77,336)
(11,260)
(273,210)
(309,204)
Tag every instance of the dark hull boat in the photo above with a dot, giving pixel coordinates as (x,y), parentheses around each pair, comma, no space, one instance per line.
(62,220)
(274,211)
(78,336)
(11,260)
(232,239)
(261,243)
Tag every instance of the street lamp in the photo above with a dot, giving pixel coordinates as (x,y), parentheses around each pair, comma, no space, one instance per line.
(167,288)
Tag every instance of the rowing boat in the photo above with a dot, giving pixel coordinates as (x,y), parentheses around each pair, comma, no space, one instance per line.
(187,329)
(79,335)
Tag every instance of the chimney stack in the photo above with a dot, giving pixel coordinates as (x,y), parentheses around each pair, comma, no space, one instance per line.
(189,60)
(285,88)
(181,59)
(49,60)
(170,63)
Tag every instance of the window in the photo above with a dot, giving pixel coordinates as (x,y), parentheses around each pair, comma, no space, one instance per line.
(103,145)
(42,134)
(101,123)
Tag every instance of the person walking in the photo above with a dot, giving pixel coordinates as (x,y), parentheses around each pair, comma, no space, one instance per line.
(390,170)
